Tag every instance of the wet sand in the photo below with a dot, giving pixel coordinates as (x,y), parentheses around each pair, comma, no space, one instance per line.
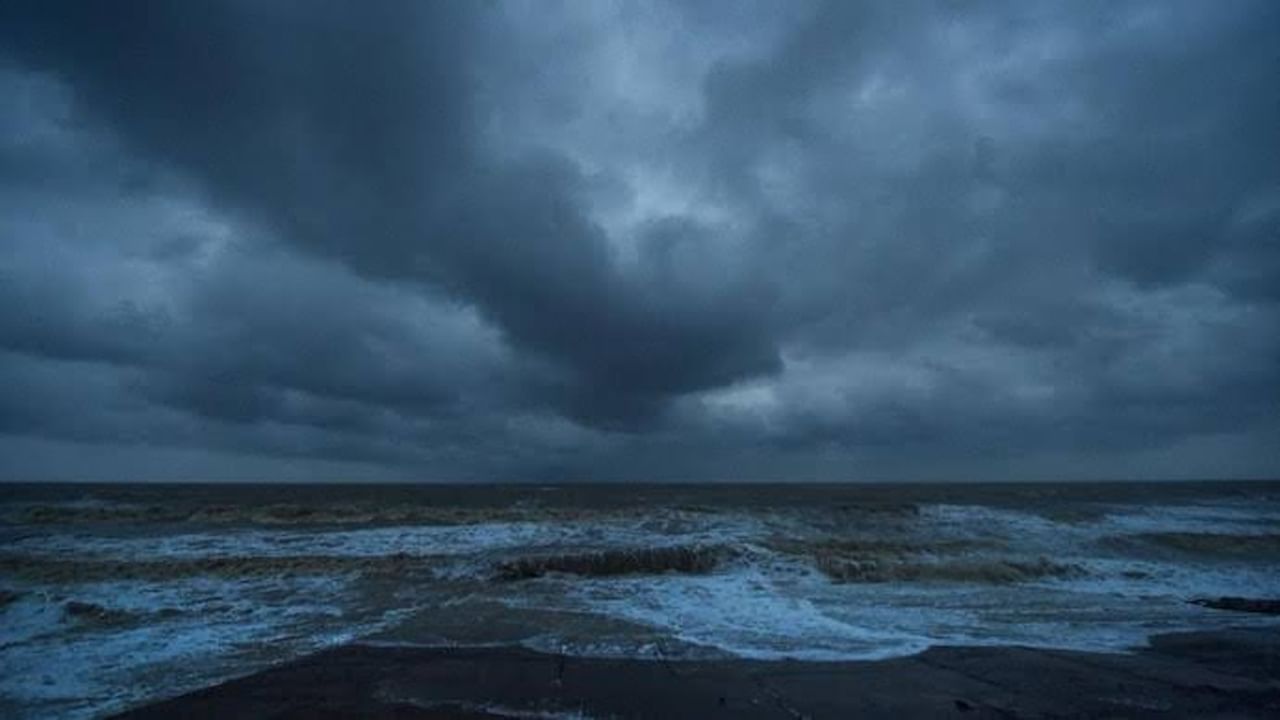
(1233,673)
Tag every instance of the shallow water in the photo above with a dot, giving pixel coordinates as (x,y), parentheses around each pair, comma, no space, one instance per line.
(195,584)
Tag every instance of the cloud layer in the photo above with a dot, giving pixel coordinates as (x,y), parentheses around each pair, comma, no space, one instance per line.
(524,240)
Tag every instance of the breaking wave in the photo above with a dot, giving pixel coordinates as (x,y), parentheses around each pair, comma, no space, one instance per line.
(94,616)
(1208,543)
(997,571)
(62,570)
(867,560)
(689,559)
(117,586)
(874,547)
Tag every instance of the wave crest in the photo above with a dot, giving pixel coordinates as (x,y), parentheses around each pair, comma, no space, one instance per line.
(689,559)
(998,571)
(869,547)
(1204,543)
(59,570)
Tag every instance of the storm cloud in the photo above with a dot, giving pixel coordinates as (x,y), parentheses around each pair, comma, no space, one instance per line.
(536,240)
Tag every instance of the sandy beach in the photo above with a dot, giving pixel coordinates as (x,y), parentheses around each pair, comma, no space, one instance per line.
(1230,673)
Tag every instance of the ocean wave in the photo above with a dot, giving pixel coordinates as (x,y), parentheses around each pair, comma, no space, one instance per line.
(873,547)
(69,570)
(995,571)
(94,616)
(1262,606)
(889,508)
(291,514)
(1261,546)
(361,513)
(689,559)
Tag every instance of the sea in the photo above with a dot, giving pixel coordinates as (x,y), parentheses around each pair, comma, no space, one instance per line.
(116,595)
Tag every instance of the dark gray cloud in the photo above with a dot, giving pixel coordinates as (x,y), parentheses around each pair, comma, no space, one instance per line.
(537,240)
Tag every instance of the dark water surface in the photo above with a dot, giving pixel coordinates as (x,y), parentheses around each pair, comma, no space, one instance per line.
(116,594)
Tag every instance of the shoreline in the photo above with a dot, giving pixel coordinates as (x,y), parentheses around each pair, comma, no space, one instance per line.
(1199,674)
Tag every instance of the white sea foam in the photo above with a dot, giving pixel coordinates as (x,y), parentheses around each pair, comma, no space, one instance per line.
(181,634)
(743,611)
(450,540)
(426,540)
(1236,518)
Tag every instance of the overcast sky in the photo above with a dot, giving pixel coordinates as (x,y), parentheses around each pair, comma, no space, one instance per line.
(621,241)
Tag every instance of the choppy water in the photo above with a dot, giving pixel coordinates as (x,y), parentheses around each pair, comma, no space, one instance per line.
(181,586)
